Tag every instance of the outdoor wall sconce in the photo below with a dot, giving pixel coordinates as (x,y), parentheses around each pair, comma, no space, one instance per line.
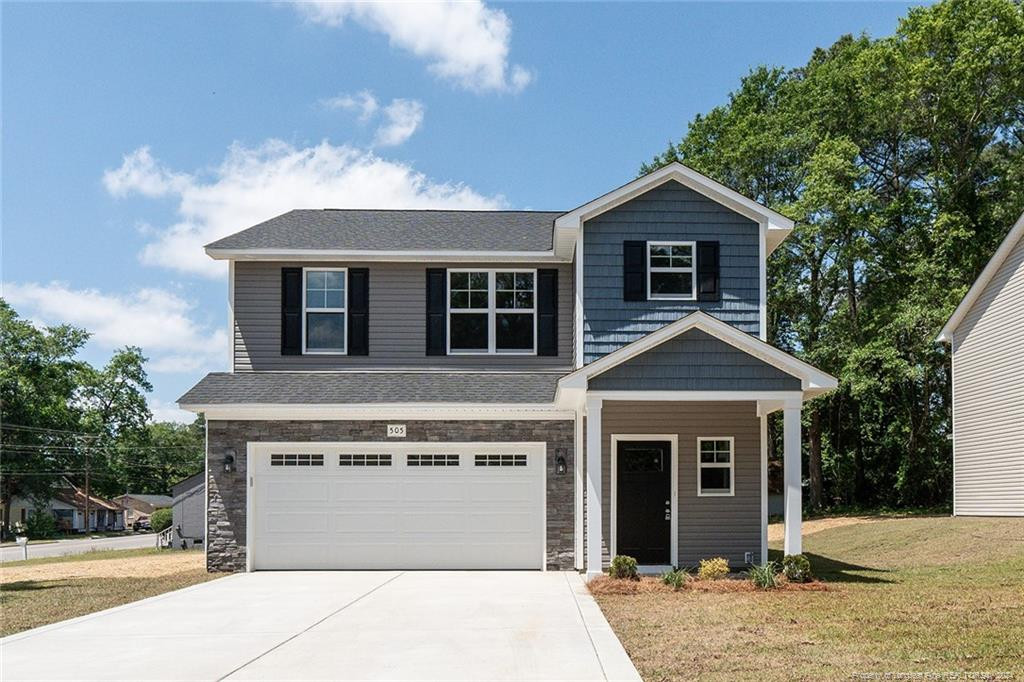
(560,466)
(229,461)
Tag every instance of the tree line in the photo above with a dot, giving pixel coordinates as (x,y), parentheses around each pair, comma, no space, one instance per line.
(901,161)
(61,417)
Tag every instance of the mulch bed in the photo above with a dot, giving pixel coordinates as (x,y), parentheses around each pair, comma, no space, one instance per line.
(650,585)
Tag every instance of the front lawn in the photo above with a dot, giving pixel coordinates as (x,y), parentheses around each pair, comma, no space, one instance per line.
(47,590)
(905,595)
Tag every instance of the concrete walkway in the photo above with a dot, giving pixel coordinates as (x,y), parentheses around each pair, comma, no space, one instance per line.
(427,625)
(78,546)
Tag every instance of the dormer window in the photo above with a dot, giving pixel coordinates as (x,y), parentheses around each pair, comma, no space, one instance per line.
(671,273)
(492,311)
(324,310)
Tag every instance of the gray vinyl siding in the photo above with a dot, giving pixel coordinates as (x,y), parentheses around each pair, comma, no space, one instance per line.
(397,322)
(189,512)
(988,397)
(694,361)
(708,526)
(670,212)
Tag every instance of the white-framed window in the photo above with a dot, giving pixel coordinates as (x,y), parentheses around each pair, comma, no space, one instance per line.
(715,466)
(671,271)
(324,311)
(492,311)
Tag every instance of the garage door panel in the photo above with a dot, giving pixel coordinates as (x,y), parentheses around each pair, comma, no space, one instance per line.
(347,514)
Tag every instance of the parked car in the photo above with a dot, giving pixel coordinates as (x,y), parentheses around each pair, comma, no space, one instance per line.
(141,523)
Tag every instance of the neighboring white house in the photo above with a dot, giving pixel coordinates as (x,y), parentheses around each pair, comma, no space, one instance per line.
(67,504)
(189,510)
(987,336)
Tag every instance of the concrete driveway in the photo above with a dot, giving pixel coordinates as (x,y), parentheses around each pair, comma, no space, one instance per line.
(367,625)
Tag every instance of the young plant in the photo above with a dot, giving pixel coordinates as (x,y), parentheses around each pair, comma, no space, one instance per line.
(713,569)
(797,568)
(674,578)
(765,576)
(623,568)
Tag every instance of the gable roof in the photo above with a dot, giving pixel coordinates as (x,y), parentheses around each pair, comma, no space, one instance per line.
(774,225)
(1010,241)
(196,480)
(814,382)
(326,232)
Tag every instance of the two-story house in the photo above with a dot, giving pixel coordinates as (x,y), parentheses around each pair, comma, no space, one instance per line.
(502,389)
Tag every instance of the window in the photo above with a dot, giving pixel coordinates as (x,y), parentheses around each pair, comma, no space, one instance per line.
(432,460)
(499,460)
(670,271)
(492,311)
(296,460)
(323,311)
(714,466)
(364,460)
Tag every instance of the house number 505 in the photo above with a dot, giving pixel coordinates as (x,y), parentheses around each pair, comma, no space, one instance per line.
(396,430)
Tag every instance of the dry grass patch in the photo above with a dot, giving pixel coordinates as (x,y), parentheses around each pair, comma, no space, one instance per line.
(40,592)
(924,595)
(604,585)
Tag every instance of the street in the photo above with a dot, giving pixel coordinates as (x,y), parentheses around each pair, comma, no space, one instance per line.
(77,546)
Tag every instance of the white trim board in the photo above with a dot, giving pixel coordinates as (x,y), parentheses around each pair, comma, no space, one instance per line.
(673,440)
(379,412)
(814,382)
(1010,241)
(364,255)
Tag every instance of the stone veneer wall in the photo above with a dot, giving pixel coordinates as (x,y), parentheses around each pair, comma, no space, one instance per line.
(226,492)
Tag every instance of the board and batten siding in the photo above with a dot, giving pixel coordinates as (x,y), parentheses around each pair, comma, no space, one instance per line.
(712,526)
(988,397)
(695,361)
(670,212)
(397,322)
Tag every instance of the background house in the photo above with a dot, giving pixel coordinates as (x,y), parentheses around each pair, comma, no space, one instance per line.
(139,506)
(985,333)
(189,509)
(67,504)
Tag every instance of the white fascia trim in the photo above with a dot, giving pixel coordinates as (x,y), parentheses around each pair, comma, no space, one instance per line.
(363,255)
(776,225)
(1011,239)
(381,411)
(814,381)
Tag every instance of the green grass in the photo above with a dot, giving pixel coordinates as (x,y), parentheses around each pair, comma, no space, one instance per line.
(95,555)
(907,595)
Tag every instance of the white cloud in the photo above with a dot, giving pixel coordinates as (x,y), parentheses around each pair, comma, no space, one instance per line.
(364,102)
(401,119)
(253,184)
(169,412)
(466,42)
(154,319)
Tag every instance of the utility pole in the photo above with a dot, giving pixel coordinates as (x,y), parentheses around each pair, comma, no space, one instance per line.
(88,491)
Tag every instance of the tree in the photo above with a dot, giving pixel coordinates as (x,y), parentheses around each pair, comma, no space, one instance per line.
(902,162)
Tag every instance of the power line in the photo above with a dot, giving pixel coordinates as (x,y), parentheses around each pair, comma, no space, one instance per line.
(116,448)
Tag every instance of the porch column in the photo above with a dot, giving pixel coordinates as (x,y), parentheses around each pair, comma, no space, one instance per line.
(791,476)
(594,509)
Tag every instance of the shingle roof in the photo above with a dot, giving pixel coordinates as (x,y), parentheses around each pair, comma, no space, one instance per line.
(332,388)
(398,230)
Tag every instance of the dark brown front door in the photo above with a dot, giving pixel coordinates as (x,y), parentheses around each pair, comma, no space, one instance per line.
(644,501)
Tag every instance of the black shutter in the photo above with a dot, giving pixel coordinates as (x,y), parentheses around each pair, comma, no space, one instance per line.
(547,312)
(437,327)
(634,271)
(291,311)
(358,311)
(707,272)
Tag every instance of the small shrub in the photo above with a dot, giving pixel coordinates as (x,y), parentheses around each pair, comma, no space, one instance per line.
(765,576)
(713,569)
(623,568)
(160,520)
(674,578)
(40,525)
(796,568)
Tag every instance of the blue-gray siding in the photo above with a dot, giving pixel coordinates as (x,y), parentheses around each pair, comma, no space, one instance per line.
(669,212)
(694,361)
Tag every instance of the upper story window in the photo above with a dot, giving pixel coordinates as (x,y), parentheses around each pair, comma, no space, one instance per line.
(670,271)
(715,466)
(324,311)
(492,311)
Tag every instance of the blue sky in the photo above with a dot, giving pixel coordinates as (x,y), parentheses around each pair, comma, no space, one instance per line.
(135,133)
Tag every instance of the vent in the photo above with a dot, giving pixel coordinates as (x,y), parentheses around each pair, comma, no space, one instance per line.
(432,460)
(500,460)
(296,460)
(364,460)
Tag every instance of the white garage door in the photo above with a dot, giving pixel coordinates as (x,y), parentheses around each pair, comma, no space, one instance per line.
(389,505)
